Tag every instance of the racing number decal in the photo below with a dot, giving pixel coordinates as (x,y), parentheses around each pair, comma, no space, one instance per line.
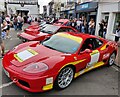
(95,55)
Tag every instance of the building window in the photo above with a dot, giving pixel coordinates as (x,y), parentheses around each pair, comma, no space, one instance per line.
(117,22)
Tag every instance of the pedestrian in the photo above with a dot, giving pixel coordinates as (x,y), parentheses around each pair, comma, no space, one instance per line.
(79,24)
(7,19)
(1,41)
(83,27)
(91,27)
(15,22)
(117,35)
(25,18)
(104,29)
(3,29)
(73,23)
(101,30)
(20,22)
(3,16)
(29,19)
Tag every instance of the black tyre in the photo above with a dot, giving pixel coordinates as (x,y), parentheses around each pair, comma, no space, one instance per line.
(64,78)
(111,60)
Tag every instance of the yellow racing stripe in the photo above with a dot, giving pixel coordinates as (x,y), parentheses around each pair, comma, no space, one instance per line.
(20,60)
(72,63)
(88,69)
(75,38)
(32,51)
(104,47)
(94,52)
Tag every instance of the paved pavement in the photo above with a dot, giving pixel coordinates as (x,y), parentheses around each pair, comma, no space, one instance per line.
(102,81)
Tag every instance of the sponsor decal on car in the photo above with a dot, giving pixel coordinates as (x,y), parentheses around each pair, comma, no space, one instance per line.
(49,80)
(105,56)
(95,55)
(24,55)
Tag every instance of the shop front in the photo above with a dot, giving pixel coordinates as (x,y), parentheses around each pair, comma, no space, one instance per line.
(110,12)
(87,9)
(71,14)
(64,14)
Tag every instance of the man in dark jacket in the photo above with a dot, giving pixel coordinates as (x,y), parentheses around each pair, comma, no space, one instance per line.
(1,41)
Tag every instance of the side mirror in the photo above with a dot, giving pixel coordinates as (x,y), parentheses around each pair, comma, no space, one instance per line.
(86,51)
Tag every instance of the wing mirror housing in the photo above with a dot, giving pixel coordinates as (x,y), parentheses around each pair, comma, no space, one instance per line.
(86,51)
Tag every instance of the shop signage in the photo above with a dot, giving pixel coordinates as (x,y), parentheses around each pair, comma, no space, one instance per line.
(84,6)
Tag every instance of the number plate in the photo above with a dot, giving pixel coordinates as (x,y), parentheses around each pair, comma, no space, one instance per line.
(6,73)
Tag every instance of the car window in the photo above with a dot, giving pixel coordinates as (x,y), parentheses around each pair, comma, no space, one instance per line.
(88,44)
(91,43)
(63,43)
(97,43)
(62,30)
(59,22)
(51,29)
(70,30)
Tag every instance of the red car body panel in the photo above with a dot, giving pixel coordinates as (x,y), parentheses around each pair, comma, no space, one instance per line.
(62,22)
(55,60)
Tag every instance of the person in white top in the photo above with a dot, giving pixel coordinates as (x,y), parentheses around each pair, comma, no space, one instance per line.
(79,23)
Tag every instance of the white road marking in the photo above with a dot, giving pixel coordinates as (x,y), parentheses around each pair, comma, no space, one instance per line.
(6,84)
(116,68)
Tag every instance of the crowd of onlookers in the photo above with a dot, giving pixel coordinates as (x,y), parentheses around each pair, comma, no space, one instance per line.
(83,26)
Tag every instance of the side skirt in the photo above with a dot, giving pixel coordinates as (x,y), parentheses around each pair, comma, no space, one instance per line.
(88,69)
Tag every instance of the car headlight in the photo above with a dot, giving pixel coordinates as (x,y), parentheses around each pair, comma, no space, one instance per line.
(36,68)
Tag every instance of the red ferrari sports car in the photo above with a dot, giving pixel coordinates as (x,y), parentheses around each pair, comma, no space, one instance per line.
(55,62)
(31,32)
(46,31)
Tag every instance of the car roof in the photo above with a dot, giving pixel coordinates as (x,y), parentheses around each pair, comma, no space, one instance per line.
(60,25)
(63,20)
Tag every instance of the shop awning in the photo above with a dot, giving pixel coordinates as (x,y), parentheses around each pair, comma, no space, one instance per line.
(87,7)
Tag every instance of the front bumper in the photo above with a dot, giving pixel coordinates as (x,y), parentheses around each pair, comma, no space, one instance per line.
(30,83)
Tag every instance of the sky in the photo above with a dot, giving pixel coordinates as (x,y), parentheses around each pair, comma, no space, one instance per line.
(42,3)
